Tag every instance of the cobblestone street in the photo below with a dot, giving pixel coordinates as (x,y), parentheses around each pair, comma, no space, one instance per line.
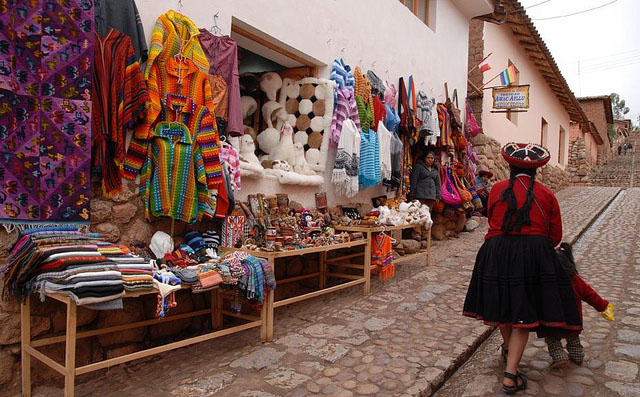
(408,335)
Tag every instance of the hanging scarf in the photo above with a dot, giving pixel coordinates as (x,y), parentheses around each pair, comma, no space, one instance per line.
(345,169)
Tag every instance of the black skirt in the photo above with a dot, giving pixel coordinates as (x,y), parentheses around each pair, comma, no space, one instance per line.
(518,281)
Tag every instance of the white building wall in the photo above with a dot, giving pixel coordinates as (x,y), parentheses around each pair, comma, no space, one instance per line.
(360,31)
(543,103)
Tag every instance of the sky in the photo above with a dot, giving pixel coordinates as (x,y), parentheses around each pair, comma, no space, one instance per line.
(598,52)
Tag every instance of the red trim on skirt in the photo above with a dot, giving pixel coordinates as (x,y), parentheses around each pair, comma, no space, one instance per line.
(530,325)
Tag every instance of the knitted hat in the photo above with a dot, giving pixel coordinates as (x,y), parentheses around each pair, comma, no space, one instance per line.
(211,239)
(525,155)
(161,244)
(194,240)
(485,172)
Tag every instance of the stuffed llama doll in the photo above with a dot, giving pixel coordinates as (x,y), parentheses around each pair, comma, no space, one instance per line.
(301,166)
(285,150)
(270,83)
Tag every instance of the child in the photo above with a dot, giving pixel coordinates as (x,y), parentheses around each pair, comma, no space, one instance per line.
(583,292)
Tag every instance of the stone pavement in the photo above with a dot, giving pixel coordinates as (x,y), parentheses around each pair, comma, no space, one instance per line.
(405,338)
(609,259)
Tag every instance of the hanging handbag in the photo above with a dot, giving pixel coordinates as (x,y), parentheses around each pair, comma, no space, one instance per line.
(465,195)
(454,112)
(458,168)
(471,126)
(475,199)
(448,190)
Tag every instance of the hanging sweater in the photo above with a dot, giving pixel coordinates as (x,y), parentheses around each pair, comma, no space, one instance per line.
(346,108)
(345,169)
(384,137)
(369,175)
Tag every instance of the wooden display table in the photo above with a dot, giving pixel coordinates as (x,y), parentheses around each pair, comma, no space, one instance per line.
(370,229)
(322,274)
(69,369)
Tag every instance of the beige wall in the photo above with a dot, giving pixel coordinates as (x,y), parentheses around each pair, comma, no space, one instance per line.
(543,103)
(591,146)
(594,109)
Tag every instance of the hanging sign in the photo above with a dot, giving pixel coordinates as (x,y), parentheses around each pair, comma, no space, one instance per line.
(512,97)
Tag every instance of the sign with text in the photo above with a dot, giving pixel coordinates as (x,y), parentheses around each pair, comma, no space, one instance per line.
(512,97)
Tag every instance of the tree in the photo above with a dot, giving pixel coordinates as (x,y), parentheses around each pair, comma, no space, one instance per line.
(619,106)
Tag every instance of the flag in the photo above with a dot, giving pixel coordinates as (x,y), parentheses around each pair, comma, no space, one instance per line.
(509,75)
(484,66)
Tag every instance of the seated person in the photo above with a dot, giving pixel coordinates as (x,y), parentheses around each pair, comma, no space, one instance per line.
(483,187)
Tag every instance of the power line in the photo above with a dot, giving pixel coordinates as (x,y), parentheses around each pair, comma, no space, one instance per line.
(575,13)
(612,56)
(537,4)
(604,68)
(611,62)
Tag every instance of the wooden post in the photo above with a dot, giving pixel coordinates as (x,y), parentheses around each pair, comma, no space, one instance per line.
(216,306)
(367,265)
(25,333)
(323,270)
(70,350)
(264,316)
(429,247)
(269,303)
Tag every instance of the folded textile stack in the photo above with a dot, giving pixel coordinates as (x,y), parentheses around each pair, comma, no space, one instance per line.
(65,261)
(137,274)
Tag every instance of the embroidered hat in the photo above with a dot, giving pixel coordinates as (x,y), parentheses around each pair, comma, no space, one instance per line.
(485,172)
(525,155)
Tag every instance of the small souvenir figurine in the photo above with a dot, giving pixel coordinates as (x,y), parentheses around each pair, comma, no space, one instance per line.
(307,220)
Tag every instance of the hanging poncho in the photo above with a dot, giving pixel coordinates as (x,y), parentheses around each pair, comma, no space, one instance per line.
(345,169)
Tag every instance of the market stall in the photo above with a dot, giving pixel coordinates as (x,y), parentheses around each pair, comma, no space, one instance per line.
(69,369)
(324,273)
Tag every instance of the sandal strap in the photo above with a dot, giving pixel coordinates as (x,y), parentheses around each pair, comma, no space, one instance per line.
(511,376)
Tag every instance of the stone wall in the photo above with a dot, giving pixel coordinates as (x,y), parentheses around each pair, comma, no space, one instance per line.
(490,158)
(578,166)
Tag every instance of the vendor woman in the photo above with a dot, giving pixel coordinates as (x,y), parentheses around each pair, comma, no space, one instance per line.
(425,180)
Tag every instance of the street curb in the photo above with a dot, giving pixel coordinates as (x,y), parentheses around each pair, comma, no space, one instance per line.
(595,217)
(463,357)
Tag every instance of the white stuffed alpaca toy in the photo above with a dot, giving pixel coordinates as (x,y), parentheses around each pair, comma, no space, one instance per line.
(290,89)
(249,107)
(268,140)
(247,151)
(301,166)
(271,111)
(270,83)
(285,150)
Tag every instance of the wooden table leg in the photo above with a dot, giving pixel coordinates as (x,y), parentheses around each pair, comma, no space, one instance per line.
(216,307)
(264,316)
(323,270)
(270,316)
(367,265)
(429,248)
(25,331)
(270,300)
(70,350)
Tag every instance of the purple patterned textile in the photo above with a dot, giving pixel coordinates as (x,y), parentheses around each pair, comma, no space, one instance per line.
(46,55)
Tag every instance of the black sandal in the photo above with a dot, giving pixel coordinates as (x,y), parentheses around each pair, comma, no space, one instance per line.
(515,388)
(504,352)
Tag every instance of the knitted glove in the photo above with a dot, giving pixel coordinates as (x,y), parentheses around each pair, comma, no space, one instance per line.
(607,314)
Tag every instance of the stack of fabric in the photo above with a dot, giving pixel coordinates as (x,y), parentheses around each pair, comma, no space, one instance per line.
(65,261)
(137,274)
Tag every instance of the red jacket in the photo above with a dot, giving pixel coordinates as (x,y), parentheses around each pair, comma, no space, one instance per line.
(583,292)
(549,224)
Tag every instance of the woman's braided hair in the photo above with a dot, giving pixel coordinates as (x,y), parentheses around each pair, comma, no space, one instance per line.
(514,217)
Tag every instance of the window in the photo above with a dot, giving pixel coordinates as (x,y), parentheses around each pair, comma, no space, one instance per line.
(423,9)
(543,132)
(513,116)
(561,147)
